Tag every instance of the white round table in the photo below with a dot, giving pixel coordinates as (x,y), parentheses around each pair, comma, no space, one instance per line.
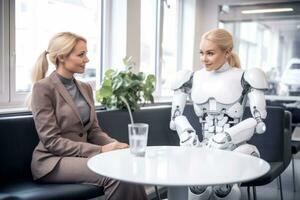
(179,166)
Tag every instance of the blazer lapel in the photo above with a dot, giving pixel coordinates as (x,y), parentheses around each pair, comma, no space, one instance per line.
(65,94)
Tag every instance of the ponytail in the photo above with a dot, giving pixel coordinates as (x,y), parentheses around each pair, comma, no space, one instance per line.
(39,72)
(40,68)
(233,60)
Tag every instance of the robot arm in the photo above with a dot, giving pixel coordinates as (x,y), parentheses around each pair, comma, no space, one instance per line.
(178,104)
(236,134)
(254,82)
(178,122)
(257,83)
(187,134)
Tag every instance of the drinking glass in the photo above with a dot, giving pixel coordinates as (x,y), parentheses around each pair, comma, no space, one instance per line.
(138,135)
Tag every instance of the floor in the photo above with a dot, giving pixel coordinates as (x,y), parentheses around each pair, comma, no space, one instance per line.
(271,191)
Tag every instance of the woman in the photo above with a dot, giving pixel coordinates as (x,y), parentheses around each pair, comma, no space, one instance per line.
(66,122)
(219,92)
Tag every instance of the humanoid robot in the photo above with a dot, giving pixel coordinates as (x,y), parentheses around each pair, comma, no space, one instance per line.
(219,98)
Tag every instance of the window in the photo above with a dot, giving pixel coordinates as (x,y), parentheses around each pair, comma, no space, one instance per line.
(269,41)
(148,36)
(114,34)
(33,23)
(167,40)
(170,29)
(159,34)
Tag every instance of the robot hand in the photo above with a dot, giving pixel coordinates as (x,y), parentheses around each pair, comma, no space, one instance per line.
(219,141)
(172,125)
(204,143)
(187,134)
(189,139)
(260,127)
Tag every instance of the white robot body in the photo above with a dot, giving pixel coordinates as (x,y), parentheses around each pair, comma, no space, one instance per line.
(207,85)
(256,78)
(182,77)
(219,99)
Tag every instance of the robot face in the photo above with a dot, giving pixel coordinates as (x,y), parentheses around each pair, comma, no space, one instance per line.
(211,56)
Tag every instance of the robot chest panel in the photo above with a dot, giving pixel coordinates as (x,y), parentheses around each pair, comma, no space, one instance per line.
(224,87)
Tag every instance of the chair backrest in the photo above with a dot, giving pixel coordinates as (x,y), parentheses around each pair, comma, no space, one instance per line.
(272,143)
(288,138)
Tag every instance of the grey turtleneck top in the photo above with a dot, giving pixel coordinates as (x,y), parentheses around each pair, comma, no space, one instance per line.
(82,106)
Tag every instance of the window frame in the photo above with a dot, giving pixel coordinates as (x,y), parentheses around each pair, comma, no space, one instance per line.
(15,97)
(4,55)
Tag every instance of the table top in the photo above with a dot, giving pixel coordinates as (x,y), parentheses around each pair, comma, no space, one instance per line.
(179,166)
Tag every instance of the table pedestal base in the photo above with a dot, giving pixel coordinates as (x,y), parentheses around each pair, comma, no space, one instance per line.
(178,193)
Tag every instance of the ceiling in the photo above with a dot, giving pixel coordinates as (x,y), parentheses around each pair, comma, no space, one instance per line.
(282,21)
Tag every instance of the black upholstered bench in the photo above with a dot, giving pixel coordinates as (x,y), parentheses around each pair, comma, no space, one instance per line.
(18,138)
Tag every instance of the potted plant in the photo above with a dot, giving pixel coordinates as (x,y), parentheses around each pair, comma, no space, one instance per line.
(120,85)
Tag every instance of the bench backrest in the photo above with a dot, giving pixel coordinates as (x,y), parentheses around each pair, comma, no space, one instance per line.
(18,138)
(116,124)
(18,135)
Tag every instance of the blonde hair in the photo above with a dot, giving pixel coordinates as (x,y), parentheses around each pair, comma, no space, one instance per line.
(224,40)
(62,44)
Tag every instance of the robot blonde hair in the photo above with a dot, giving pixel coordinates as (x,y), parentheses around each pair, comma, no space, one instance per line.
(224,40)
(61,45)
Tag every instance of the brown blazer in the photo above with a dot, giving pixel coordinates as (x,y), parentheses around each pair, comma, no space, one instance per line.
(60,129)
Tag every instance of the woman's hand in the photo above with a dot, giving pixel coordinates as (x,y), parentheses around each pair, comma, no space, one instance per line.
(113,146)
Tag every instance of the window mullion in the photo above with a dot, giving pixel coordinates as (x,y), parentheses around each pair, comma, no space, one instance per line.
(4,55)
(158,46)
(15,97)
(179,35)
(106,35)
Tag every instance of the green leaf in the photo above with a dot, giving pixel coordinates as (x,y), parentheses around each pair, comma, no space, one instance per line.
(117,83)
(106,83)
(109,73)
(135,88)
(105,92)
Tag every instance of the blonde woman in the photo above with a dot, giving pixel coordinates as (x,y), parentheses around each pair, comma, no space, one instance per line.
(66,122)
(219,92)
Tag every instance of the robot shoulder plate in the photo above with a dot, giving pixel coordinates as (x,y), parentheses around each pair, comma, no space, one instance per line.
(256,78)
(182,77)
